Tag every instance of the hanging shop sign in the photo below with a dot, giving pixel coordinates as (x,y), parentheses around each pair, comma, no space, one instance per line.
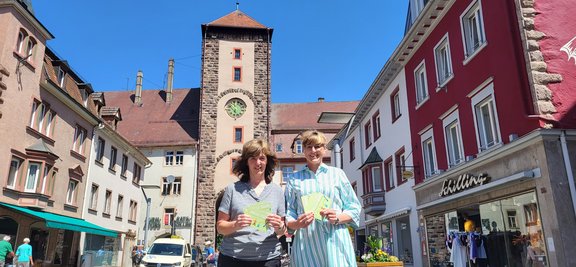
(462,183)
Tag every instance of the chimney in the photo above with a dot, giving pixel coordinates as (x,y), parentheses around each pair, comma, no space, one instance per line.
(138,94)
(320,99)
(170,80)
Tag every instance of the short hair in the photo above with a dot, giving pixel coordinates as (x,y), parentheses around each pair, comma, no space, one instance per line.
(313,137)
(253,148)
(6,238)
(26,240)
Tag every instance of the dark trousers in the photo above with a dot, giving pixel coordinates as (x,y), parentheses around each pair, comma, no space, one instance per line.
(226,261)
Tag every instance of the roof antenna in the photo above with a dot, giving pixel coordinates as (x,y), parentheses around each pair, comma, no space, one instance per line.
(237,5)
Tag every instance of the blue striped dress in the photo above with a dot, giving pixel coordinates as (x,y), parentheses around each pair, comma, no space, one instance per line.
(322,243)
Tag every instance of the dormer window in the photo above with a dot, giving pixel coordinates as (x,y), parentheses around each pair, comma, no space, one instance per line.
(61,75)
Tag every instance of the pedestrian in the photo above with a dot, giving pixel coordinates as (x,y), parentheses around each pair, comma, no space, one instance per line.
(325,241)
(6,252)
(245,243)
(209,251)
(137,255)
(24,254)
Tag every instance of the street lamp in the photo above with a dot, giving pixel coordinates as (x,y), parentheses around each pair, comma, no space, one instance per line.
(148,203)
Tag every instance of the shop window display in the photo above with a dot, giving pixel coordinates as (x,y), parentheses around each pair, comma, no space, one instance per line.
(504,232)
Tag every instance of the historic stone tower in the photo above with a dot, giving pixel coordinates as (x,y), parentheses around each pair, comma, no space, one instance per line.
(235,105)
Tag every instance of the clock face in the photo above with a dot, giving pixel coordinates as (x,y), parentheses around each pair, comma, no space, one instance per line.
(235,107)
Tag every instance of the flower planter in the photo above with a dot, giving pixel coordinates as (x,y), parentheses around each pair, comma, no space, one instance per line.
(380,264)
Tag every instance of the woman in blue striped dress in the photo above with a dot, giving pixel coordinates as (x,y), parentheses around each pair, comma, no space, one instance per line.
(323,242)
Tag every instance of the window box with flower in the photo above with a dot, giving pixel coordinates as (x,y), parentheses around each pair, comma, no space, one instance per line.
(375,256)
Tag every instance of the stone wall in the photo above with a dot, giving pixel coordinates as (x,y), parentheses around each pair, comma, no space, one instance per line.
(3,72)
(206,209)
(538,73)
(436,237)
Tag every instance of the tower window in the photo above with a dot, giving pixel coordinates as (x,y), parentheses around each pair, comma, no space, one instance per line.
(237,74)
(237,53)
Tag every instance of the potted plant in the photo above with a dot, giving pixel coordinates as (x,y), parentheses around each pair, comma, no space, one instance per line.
(375,256)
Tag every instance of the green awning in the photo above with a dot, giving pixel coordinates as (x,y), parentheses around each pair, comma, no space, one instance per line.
(64,222)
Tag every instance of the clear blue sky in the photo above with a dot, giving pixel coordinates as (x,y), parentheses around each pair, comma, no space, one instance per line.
(331,49)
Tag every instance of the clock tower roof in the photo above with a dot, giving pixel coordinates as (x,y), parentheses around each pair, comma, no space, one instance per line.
(236,19)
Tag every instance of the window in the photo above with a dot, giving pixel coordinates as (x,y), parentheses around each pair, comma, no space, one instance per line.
(279,147)
(376,179)
(486,119)
(389,172)
(238,134)
(298,144)
(352,148)
(473,29)
(61,76)
(286,172)
(47,178)
(136,173)
(79,138)
(171,189)
(113,154)
(376,122)
(71,192)
(32,176)
(94,197)
(395,104)
(169,158)
(453,143)
(168,216)
(179,157)
(20,43)
(400,159)
(100,149)
(429,154)
(119,206)
(421,83)
(107,202)
(512,219)
(42,118)
(367,133)
(443,61)
(237,53)
(13,174)
(133,210)
(30,49)
(124,167)
(237,74)
(233,161)
(416,6)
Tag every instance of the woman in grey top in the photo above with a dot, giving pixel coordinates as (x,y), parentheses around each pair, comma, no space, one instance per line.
(252,241)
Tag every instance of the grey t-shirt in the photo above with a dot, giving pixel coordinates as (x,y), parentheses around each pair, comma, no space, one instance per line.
(248,243)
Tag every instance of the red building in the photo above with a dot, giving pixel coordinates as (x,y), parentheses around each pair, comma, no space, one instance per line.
(490,88)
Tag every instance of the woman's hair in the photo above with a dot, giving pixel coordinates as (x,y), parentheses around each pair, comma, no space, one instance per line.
(253,148)
(313,137)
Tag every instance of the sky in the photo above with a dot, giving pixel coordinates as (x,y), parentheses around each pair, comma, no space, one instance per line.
(331,49)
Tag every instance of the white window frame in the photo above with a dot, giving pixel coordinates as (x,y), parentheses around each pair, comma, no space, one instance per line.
(107,202)
(391,177)
(512,219)
(100,148)
(124,166)
(473,10)
(71,192)
(396,105)
(36,176)
(120,206)
(79,139)
(480,98)
(172,189)
(421,84)
(179,157)
(13,173)
(113,158)
(298,146)
(133,210)
(374,178)
(444,70)
(169,158)
(94,197)
(454,155)
(170,215)
(286,171)
(429,150)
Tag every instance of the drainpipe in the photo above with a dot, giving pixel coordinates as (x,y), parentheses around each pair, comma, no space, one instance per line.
(337,153)
(568,166)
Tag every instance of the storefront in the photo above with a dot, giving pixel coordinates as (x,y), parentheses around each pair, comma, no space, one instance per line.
(54,238)
(500,209)
(395,229)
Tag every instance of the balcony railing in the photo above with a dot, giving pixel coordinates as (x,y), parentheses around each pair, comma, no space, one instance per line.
(374,203)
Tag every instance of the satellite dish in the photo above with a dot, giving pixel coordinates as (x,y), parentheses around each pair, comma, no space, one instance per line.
(170,179)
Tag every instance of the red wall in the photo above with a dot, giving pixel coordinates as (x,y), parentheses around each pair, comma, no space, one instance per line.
(557,21)
(501,59)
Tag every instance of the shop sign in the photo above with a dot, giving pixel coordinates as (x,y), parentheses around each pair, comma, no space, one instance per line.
(462,183)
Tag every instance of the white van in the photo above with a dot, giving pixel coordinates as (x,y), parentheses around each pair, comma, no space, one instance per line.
(168,252)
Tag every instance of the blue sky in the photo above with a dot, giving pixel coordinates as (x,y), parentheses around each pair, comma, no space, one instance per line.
(331,49)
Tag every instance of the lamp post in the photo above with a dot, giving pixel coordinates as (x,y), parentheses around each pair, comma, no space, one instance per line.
(147,220)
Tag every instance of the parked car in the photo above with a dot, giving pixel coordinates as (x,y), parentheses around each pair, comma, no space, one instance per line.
(168,252)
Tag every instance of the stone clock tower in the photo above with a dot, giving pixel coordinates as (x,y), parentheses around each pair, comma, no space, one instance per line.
(235,105)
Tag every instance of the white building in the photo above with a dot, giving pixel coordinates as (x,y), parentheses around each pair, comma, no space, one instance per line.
(113,197)
(376,156)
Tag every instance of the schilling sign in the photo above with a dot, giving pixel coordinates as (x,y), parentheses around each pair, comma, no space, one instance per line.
(463,182)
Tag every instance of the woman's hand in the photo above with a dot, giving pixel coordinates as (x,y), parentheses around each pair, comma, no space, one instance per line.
(330,215)
(305,220)
(275,221)
(243,220)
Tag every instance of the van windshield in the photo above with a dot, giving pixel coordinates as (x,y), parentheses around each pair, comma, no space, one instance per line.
(166,249)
